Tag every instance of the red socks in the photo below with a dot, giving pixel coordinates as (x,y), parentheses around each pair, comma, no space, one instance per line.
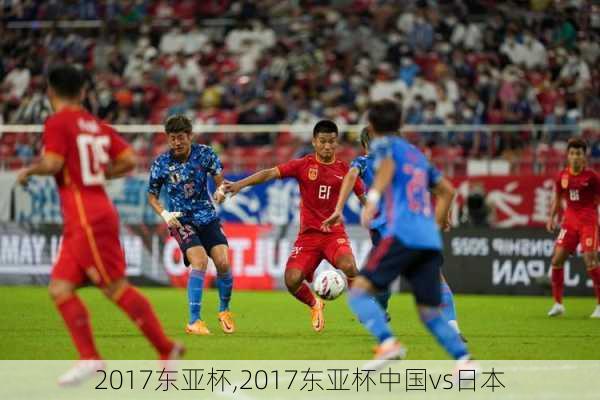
(594,273)
(139,310)
(77,319)
(305,295)
(558,283)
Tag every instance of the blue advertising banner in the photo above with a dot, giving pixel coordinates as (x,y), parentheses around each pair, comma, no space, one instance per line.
(275,203)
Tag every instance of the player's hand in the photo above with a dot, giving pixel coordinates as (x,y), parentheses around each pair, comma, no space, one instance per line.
(219,196)
(334,219)
(231,187)
(367,215)
(551,225)
(446,225)
(23,177)
(171,218)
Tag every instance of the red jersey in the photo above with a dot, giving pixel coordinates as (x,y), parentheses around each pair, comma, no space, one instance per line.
(581,192)
(86,145)
(320,186)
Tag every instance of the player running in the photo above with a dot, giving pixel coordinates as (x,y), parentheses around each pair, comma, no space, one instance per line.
(82,152)
(192,220)
(411,244)
(320,178)
(362,167)
(579,187)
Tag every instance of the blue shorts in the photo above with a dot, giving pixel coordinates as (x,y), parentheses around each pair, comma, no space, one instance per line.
(192,235)
(420,267)
(375,237)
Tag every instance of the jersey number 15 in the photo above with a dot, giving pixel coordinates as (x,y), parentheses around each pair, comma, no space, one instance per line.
(93,155)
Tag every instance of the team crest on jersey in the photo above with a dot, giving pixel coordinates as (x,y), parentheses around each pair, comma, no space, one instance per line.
(564,182)
(313,173)
(341,241)
(588,242)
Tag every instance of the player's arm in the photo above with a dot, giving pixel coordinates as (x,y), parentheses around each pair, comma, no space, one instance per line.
(555,206)
(122,165)
(347,186)
(262,176)
(49,164)
(444,194)
(383,178)
(154,186)
(219,195)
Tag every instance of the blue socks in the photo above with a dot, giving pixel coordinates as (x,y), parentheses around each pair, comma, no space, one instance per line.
(383,298)
(448,309)
(444,333)
(369,313)
(195,286)
(224,284)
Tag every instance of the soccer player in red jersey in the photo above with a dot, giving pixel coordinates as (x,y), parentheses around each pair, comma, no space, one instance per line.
(81,152)
(320,178)
(579,187)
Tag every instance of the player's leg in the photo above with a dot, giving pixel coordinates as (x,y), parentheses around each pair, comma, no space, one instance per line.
(566,243)
(220,256)
(66,277)
(448,307)
(424,278)
(214,241)
(383,267)
(197,260)
(140,311)
(383,296)
(589,246)
(300,267)
(195,257)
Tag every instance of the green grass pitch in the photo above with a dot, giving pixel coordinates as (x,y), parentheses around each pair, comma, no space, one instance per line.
(273,325)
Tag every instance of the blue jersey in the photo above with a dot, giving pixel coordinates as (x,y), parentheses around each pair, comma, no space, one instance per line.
(366,171)
(187,183)
(407,200)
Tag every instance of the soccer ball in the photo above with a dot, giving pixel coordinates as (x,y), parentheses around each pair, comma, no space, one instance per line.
(329,285)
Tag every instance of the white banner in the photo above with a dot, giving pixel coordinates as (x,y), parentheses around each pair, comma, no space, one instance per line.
(314,379)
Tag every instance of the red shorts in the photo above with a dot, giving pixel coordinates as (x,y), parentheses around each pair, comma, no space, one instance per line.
(313,247)
(94,253)
(572,235)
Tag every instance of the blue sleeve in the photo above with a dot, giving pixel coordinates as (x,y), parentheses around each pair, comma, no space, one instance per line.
(360,164)
(434,175)
(156,180)
(212,163)
(381,149)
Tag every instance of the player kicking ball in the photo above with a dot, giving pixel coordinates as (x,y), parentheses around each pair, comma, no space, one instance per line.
(320,178)
(579,187)
(82,152)
(362,167)
(192,220)
(411,245)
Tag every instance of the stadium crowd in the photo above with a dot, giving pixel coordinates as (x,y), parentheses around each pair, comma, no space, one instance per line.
(293,61)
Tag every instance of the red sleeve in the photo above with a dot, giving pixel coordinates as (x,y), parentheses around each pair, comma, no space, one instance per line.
(359,187)
(118,145)
(291,168)
(54,138)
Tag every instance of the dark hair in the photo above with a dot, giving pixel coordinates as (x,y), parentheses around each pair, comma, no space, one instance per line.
(365,139)
(325,126)
(66,80)
(577,143)
(385,116)
(177,124)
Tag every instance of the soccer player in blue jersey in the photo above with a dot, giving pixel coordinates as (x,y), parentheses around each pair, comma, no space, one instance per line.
(362,167)
(411,243)
(192,218)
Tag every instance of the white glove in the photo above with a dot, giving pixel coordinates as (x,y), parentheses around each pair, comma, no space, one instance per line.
(171,217)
